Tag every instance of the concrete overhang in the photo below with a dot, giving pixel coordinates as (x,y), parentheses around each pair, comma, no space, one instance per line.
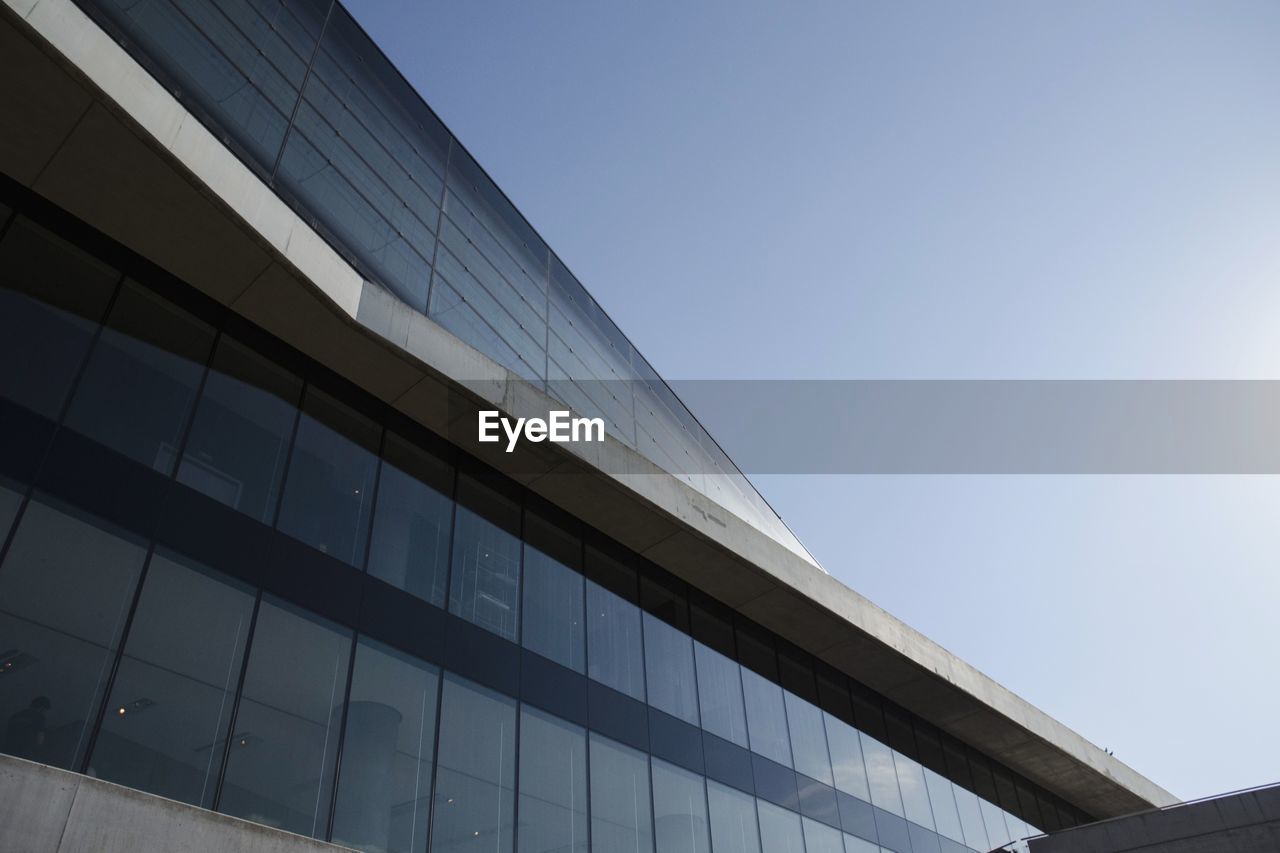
(89,129)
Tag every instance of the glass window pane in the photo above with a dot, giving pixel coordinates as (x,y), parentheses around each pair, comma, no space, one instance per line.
(720,695)
(328,491)
(881,775)
(10,500)
(975,834)
(553,784)
(854,844)
(766,717)
(412,521)
(780,830)
(733,820)
(554,620)
(614,652)
(820,838)
(915,797)
(241,431)
(58,648)
(846,758)
(620,816)
(486,560)
(166,722)
(384,782)
(52,297)
(944,806)
(141,378)
(993,819)
(679,810)
(475,782)
(285,737)
(672,683)
(808,739)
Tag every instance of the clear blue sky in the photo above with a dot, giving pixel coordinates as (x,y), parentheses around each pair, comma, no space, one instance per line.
(902,190)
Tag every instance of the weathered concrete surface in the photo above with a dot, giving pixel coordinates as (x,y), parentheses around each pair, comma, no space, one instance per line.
(1247,822)
(121,153)
(45,810)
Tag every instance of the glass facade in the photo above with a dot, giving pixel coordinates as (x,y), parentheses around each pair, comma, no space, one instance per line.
(308,102)
(283,601)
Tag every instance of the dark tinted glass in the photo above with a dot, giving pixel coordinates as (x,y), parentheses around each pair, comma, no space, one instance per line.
(284,742)
(240,436)
(58,647)
(621,817)
(166,721)
(553,784)
(554,618)
(141,378)
(412,522)
(328,494)
(10,501)
(475,780)
(384,783)
(679,810)
(485,586)
(52,297)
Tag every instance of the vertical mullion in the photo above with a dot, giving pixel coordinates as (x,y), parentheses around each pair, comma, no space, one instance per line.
(235,705)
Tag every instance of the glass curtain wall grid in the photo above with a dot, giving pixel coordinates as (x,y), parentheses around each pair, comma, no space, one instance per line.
(306,99)
(231,579)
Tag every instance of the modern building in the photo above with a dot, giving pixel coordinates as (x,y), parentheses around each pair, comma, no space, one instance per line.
(252,296)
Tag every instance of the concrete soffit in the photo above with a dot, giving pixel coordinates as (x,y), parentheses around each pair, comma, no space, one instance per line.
(94,133)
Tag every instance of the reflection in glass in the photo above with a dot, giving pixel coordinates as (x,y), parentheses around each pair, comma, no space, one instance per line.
(854,844)
(766,717)
(808,738)
(285,737)
(484,589)
(780,830)
(384,782)
(475,779)
(58,647)
(615,656)
(240,435)
(553,595)
(553,784)
(328,490)
(733,820)
(412,521)
(944,806)
(881,775)
(720,695)
(141,378)
(975,833)
(52,297)
(679,810)
(166,721)
(820,838)
(915,797)
(846,758)
(620,811)
(672,684)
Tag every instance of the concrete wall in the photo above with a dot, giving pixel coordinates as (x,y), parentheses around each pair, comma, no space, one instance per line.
(1248,822)
(43,810)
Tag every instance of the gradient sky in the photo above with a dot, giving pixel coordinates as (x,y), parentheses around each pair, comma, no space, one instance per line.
(1086,190)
